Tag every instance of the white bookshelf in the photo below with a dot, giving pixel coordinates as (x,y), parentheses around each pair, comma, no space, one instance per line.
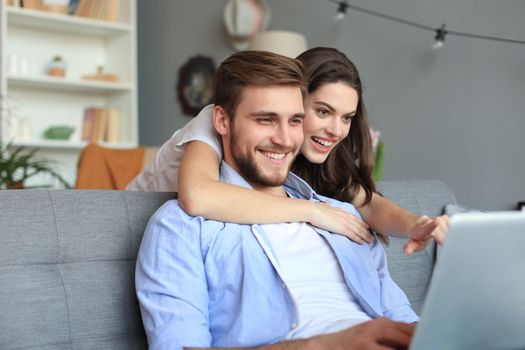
(65,85)
(65,145)
(34,38)
(40,20)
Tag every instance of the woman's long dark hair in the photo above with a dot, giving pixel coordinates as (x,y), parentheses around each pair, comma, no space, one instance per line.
(349,165)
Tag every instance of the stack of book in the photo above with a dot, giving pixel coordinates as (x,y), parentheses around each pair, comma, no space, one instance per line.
(28,4)
(106,10)
(101,124)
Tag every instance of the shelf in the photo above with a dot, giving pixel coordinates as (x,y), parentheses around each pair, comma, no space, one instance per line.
(31,38)
(71,145)
(64,84)
(65,23)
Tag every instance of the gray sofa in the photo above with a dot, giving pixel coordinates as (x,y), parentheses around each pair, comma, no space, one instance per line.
(67,260)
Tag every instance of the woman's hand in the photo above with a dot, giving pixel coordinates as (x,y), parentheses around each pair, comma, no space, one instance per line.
(339,221)
(424,230)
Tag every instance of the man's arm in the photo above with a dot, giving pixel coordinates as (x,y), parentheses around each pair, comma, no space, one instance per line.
(394,302)
(171,282)
(377,334)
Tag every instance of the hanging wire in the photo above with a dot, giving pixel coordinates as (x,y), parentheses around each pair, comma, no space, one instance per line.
(347,5)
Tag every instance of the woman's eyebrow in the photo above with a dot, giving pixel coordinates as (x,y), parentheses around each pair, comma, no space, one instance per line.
(332,109)
(325,105)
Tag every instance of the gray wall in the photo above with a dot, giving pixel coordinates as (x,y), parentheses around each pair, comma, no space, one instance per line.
(456,114)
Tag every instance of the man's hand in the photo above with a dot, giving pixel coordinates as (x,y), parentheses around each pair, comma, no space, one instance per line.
(378,334)
(339,221)
(424,230)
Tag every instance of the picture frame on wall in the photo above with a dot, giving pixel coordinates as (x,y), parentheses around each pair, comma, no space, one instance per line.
(195,84)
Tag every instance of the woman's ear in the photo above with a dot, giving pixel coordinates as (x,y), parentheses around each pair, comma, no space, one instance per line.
(221,122)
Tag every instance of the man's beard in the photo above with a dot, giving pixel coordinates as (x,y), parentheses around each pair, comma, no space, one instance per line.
(249,170)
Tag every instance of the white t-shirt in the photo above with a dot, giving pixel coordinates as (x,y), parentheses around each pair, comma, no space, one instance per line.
(162,174)
(315,280)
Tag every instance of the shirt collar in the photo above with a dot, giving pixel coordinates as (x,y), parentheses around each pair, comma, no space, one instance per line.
(294,185)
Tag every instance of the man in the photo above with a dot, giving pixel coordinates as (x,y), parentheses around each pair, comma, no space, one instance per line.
(203,283)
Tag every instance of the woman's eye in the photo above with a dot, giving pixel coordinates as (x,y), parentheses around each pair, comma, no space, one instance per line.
(348,118)
(322,112)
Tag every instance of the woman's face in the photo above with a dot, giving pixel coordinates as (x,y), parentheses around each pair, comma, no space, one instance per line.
(329,112)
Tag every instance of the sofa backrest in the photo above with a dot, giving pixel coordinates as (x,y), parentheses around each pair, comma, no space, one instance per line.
(67,262)
(423,197)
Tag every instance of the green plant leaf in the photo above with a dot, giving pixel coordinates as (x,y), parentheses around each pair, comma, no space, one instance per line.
(17,164)
(377,171)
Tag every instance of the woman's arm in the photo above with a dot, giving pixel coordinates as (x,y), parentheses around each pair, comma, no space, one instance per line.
(386,217)
(201,194)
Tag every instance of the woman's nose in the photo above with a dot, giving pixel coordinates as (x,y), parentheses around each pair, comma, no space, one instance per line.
(335,128)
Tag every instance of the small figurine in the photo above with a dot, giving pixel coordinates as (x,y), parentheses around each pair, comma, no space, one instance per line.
(102,76)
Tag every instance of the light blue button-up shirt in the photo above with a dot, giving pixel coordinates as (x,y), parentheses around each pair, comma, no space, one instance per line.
(204,283)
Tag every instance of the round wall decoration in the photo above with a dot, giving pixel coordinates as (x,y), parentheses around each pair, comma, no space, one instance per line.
(195,85)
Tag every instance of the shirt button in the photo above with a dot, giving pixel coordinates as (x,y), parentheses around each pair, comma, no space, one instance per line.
(284,285)
(294,325)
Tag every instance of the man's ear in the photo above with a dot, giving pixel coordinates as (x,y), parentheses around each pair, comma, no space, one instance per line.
(221,121)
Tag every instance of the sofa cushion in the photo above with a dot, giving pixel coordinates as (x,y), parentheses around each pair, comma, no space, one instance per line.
(67,262)
(423,197)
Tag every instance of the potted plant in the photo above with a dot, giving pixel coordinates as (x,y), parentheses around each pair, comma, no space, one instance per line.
(18,164)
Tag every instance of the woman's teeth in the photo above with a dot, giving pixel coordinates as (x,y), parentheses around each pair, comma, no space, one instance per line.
(322,142)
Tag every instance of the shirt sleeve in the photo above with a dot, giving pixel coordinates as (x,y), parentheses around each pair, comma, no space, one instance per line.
(162,174)
(201,129)
(171,283)
(394,301)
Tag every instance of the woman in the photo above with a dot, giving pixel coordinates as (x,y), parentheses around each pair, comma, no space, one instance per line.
(335,160)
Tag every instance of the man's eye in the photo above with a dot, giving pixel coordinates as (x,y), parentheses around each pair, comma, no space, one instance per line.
(297,121)
(264,120)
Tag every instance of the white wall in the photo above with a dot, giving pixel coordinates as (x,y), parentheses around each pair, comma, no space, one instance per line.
(456,114)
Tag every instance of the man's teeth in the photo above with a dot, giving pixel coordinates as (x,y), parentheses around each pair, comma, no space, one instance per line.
(322,142)
(274,155)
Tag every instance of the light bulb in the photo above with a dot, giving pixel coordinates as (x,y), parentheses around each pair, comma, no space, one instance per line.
(341,11)
(339,16)
(438,44)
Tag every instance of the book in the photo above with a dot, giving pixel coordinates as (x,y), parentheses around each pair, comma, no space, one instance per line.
(87,124)
(112,13)
(33,4)
(113,126)
(81,8)
(100,125)
(106,10)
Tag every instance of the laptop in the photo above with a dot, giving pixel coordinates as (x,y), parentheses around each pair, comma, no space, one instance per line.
(476,299)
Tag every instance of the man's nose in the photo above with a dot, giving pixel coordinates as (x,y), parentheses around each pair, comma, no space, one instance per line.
(281,136)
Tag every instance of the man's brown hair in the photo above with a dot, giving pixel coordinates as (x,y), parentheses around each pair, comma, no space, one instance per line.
(254,68)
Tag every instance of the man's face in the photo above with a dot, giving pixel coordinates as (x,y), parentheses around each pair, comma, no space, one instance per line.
(265,135)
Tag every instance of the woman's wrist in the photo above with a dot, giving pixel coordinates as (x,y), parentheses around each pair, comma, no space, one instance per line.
(307,211)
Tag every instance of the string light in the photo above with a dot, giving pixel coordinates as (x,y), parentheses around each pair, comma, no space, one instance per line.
(440,32)
(440,38)
(341,11)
